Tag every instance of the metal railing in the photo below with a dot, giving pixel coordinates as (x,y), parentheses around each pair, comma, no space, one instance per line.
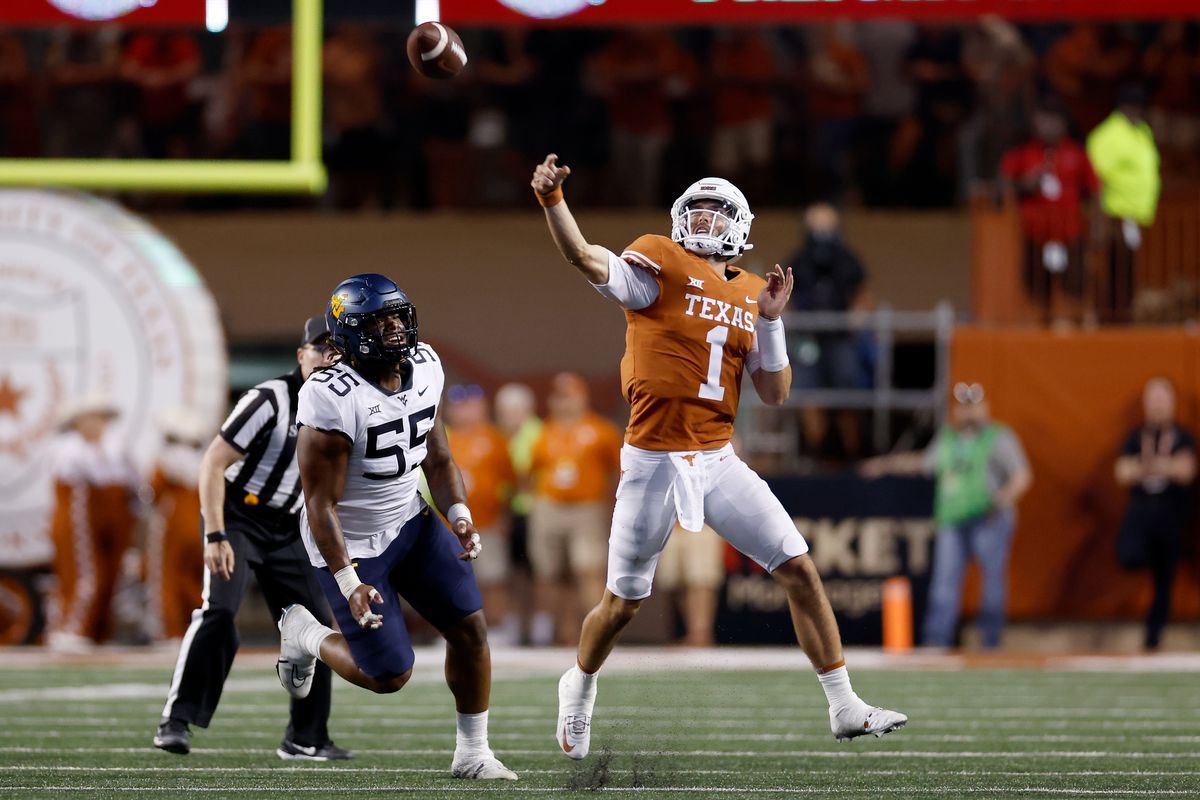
(882,398)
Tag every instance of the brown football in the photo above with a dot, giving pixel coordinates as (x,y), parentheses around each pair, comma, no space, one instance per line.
(435,50)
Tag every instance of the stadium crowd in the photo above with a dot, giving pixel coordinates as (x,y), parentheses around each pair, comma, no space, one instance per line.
(886,113)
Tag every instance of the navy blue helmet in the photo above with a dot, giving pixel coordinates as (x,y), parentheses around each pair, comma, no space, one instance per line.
(359,319)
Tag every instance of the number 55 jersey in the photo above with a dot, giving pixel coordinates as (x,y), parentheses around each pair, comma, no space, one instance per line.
(686,351)
(387,432)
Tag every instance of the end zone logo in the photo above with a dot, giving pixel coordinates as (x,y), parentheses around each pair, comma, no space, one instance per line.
(91,299)
(549,9)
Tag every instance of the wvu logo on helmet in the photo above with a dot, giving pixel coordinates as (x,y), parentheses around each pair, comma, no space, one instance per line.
(335,304)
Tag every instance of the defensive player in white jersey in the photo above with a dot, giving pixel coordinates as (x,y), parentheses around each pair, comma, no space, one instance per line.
(695,324)
(367,423)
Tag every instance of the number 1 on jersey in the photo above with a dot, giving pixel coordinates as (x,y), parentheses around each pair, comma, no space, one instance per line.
(712,388)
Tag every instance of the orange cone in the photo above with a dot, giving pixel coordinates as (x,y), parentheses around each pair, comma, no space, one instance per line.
(897,614)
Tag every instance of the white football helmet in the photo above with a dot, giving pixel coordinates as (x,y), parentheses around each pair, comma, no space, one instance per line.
(728,225)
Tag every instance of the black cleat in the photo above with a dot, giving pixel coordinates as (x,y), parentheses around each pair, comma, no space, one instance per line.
(173,736)
(290,751)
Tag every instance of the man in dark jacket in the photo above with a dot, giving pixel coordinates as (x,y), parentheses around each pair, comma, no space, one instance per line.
(1158,464)
(829,277)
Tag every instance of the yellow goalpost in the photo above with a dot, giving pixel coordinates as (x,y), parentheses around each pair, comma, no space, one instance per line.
(302,173)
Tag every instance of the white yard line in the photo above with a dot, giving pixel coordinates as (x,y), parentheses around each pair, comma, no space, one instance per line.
(123,691)
(552,661)
(326,768)
(227,722)
(796,695)
(849,752)
(711,790)
(949,710)
(502,736)
(445,726)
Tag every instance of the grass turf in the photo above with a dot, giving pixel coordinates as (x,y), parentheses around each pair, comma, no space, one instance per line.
(84,731)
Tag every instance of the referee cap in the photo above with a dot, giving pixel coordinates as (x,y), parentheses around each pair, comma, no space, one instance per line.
(314,330)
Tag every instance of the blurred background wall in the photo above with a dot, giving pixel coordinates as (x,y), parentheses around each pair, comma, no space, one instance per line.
(490,287)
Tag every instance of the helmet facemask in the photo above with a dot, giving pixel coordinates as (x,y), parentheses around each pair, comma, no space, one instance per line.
(712,219)
(388,335)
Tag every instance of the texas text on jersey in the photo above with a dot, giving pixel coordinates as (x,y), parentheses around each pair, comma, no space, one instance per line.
(685,353)
(387,431)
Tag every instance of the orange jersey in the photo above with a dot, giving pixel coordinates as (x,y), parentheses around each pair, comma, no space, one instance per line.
(745,67)
(576,463)
(481,453)
(685,353)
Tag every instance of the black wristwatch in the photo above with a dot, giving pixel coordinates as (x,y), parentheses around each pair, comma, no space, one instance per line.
(216,536)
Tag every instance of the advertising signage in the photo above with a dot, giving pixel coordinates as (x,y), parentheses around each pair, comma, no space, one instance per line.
(715,12)
(134,12)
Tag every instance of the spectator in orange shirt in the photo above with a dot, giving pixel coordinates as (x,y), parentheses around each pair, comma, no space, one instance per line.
(838,77)
(639,73)
(265,77)
(575,461)
(19,130)
(357,148)
(81,74)
(162,67)
(744,76)
(1172,67)
(1086,67)
(481,452)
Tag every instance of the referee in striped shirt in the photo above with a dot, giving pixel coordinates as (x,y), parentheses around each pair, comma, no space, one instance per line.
(250,523)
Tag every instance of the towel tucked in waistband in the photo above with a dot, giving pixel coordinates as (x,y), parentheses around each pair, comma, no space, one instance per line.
(688,487)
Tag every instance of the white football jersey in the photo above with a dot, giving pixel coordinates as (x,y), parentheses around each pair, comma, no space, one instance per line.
(388,431)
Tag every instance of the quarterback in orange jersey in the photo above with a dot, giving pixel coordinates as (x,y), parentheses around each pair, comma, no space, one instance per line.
(694,323)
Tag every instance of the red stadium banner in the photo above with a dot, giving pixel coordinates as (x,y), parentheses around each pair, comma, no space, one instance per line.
(36,13)
(706,12)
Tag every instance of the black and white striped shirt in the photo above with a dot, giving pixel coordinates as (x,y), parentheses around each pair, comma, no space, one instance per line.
(262,427)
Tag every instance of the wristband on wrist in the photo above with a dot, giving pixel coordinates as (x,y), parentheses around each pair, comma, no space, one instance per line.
(552,199)
(459,511)
(347,580)
(216,536)
(772,344)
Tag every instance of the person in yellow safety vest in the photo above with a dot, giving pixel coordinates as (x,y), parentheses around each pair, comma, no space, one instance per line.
(1125,158)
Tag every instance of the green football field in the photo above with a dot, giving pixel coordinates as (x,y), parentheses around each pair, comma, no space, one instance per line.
(72,730)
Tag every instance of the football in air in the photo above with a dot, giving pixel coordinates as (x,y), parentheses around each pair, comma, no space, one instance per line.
(435,51)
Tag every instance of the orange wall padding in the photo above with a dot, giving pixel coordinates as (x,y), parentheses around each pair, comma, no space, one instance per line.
(1072,397)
